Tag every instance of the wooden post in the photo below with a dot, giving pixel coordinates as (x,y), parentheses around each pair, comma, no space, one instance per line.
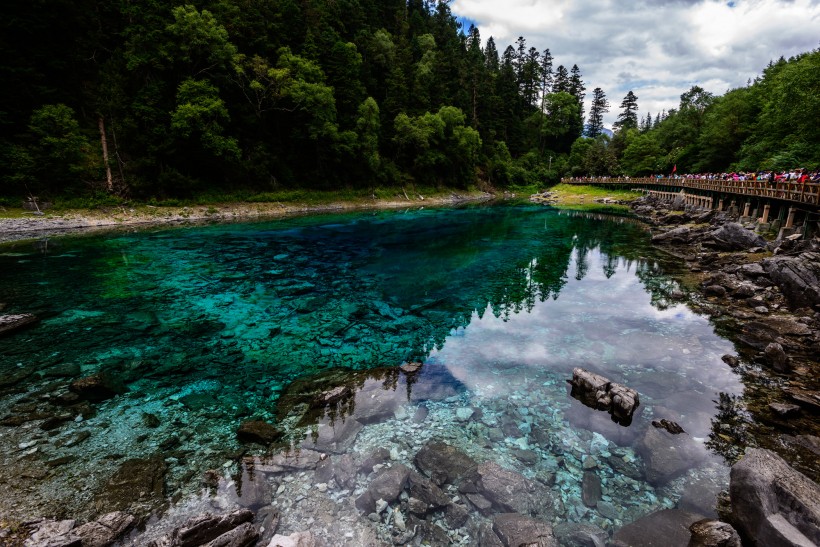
(720,204)
(765,218)
(746,209)
(790,218)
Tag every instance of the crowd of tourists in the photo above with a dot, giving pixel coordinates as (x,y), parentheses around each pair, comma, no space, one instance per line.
(800,176)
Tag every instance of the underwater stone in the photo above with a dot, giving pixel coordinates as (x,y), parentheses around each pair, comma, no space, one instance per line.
(527,456)
(378,457)
(713,533)
(423,489)
(420,415)
(337,438)
(666,527)
(257,431)
(386,486)
(97,387)
(138,480)
(456,515)
(608,510)
(590,489)
(576,534)
(463,414)
(667,456)
(444,464)
(515,530)
(417,507)
(507,490)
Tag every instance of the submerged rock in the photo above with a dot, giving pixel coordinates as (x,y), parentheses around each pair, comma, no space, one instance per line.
(662,528)
(386,486)
(444,464)
(507,491)
(667,456)
(591,489)
(97,387)
(258,431)
(138,483)
(336,437)
(515,530)
(576,534)
(713,533)
(772,503)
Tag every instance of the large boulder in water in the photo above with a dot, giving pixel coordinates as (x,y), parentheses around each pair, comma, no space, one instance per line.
(772,503)
(734,237)
(797,276)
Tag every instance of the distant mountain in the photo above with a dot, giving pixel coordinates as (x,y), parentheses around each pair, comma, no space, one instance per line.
(608,132)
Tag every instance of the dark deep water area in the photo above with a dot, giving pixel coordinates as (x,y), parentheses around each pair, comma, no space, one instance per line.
(201,329)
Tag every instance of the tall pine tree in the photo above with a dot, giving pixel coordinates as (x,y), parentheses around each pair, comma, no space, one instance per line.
(600,106)
(628,118)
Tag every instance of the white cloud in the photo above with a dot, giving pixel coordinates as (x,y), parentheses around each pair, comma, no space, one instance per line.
(656,48)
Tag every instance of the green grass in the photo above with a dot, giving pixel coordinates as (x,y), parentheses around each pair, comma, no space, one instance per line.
(574,192)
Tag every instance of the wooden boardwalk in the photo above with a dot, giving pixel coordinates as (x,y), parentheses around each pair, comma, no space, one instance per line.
(807,195)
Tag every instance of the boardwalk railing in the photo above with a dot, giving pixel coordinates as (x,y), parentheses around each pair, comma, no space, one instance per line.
(807,193)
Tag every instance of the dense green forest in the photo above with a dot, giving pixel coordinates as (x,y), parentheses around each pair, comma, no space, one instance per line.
(153,99)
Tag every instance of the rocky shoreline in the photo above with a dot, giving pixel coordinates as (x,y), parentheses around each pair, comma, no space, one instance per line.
(429,492)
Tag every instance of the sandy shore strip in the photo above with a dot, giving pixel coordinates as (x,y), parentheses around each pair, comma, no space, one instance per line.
(76,222)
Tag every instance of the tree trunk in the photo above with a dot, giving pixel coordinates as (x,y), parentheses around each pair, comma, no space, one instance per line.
(108,178)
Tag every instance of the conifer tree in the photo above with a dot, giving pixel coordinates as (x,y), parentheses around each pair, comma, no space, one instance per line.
(600,106)
(561,81)
(628,118)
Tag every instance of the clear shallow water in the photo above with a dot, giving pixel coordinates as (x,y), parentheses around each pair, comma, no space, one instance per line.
(207,327)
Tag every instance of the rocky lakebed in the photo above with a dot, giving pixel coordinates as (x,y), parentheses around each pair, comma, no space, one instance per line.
(403,455)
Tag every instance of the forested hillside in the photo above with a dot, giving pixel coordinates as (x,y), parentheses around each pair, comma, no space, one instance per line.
(160,99)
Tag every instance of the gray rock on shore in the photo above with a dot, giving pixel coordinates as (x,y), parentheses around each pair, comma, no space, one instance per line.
(772,503)
(797,276)
(734,237)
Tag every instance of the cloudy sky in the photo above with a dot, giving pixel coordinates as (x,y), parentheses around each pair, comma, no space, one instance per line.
(657,48)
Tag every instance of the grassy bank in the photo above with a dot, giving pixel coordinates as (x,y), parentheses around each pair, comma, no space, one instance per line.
(582,198)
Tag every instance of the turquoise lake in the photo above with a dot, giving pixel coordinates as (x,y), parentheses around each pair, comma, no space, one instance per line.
(204,328)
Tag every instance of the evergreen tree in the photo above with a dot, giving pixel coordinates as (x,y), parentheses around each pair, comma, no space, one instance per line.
(546,75)
(600,106)
(561,81)
(491,55)
(628,118)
